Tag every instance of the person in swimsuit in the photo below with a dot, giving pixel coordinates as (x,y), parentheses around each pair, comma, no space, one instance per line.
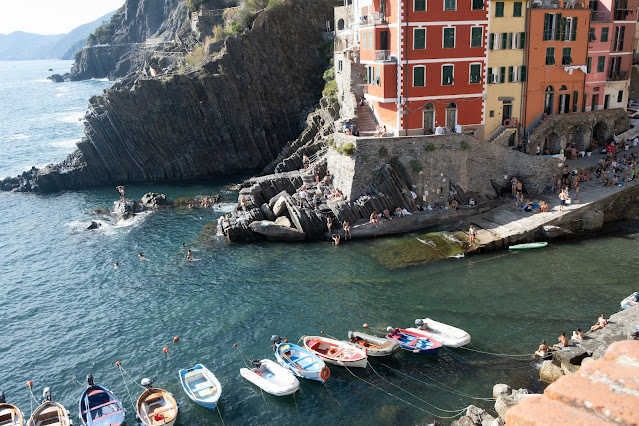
(562,200)
(347,230)
(563,342)
(472,233)
(601,323)
(543,350)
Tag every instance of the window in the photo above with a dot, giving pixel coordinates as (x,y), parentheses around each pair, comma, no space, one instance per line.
(566,56)
(449,38)
(615,68)
(450,4)
(620,96)
(477,5)
(589,64)
(489,76)
(619,34)
(447,75)
(499,9)
(549,100)
(604,34)
(568,30)
(378,78)
(502,74)
(340,65)
(591,35)
(370,75)
(511,77)
(522,73)
(419,76)
(551,26)
(575,96)
(475,36)
(475,73)
(420,6)
(364,40)
(550,56)
(517,9)
(601,64)
(370,40)
(419,38)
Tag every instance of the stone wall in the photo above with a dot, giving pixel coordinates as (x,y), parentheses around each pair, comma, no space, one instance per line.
(440,165)
(559,130)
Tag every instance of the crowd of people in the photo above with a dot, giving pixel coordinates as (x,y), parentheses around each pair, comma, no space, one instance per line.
(563,342)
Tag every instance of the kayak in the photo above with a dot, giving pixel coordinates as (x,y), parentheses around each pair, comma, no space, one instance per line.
(527,246)
(445,334)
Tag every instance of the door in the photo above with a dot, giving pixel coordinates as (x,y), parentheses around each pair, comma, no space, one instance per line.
(429,121)
(564,103)
(383,40)
(451,116)
(548,103)
(606,101)
(595,102)
(506,112)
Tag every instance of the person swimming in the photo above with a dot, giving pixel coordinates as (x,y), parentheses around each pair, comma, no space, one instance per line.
(141,256)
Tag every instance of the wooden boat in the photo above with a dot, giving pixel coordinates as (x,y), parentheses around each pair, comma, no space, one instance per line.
(99,407)
(374,346)
(630,301)
(445,334)
(10,415)
(528,246)
(271,377)
(300,361)
(156,406)
(49,413)
(201,386)
(336,352)
(414,342)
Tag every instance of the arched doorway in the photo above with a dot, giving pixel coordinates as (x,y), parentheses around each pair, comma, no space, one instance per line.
(553,142)
(600,133)
(564,100)
(451,116)
(580,138)
(340,24)
(429,119)
(549,99)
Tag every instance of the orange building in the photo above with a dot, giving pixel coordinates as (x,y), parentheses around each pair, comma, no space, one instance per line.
(556,58)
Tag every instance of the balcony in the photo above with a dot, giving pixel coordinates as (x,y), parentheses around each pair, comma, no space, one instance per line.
(372,19)
(600,16)
(383,56)
(560,4)
(618,76)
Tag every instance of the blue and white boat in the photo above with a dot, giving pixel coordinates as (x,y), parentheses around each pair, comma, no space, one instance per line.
(201,386)
(414,342)
(630,301)
(98,406)
(300,361)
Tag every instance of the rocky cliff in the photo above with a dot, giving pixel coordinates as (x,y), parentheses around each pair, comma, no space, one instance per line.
(233,115)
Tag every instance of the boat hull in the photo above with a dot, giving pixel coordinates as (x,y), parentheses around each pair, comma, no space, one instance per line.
(272,378)
(301,362)
(156,407)
(336,352)
(630,301)
(445,334)
(414,342)
(50,413)
(377,346)
(10,415)
(201,386)
(528,246)
(98,406)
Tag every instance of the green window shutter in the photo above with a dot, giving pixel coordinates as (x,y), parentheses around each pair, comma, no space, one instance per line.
(517,9)
(420,5)
(420,39)
(499,9)
(558,27)
(364,40)
(491,41)
(591,35)
(502,74)
(546,26)
(523,73)
(589,64)
(475,36)
(574,29)
(601,63)
(509,41)
(419,76)
(550,56)
(370,40)
(475,73)
(575,97)
(604,34)
(378,79)
(504,40)
(490,75)
(510,74)
(522,41)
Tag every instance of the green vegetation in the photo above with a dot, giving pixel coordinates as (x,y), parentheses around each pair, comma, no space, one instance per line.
(197,56)
(383,152)
(416,166)
(329,74)
(465,146)
(102,34)
(330,89)
(194,5)
(347,149)
(430,147)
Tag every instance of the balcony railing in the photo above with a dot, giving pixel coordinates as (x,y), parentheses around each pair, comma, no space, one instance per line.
(372,19)
(382,55)
(623,75)
(560,4)
(600,16)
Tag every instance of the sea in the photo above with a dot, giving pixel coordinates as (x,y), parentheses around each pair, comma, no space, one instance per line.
(66,311)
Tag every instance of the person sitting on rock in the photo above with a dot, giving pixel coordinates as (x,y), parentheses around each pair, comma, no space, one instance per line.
(563,342)
(601,323)
(543,350)
(454,204)
(329,223)
(374,219)
(347,230)
(387,214)
(398,212)
(577,336)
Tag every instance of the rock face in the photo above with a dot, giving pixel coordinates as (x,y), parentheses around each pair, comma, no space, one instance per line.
(234,115)
(56,78)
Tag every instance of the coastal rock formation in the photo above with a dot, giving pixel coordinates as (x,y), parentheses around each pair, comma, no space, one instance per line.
(234,115)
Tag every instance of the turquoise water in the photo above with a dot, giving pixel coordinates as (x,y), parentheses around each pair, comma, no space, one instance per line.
(66,311)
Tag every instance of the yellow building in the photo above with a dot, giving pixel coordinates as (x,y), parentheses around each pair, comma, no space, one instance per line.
(505,70)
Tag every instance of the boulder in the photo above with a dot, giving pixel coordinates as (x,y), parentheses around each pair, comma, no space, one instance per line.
(151,199)
(474,416)
(94,225)
(273,200)
(552,231)
(127,208)
(279,207)
(267,212)
(549,372)
(274,232)
(592,221)
(503,403)
(56,78)
(284,221)
(570,355)
(501,389)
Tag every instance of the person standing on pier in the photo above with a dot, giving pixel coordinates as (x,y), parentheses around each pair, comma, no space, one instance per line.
(562,200)
(472,233)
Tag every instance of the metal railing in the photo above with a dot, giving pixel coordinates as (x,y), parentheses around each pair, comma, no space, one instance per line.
(600,15)
(372,19)
(382,55)
(623,75)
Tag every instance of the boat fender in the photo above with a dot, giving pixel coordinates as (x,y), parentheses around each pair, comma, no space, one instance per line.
(418,322)
(176,339)
(325,373)
(158,417)
(331,351)
(165,350)
(276,339)
(390,329)
(258,372)
(46,394)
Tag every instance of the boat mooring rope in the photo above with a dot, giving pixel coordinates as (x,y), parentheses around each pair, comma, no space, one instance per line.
(299,416)
(217,407)
(32,399)
(119,364)
(242,356)
(496,354)
(492,367)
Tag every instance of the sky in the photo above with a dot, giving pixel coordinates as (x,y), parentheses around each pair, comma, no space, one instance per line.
(51,16)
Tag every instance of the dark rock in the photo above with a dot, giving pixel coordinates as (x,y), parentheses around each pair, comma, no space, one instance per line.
(552,231)
(127,209)
(50,69)
(56,78)
(570,355)
(153,200)
(268,213)
(94,225)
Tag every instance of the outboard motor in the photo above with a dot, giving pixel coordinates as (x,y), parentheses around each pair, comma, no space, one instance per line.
(147,383)
(350,335)
(90,380)
(419,323)
(256,363)
(46,394)
(390,329)
(2,400)
(276,339)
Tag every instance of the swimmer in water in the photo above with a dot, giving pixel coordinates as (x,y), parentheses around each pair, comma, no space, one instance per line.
(141,256)
(116,265)
(190,259)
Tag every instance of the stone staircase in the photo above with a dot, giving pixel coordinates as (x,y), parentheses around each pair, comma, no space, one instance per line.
(495,135)
(366,122)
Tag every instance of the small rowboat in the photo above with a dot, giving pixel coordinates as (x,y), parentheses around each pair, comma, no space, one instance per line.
(336,352)
(201,386)
(414,342)
(99,407)
(528,246)
(445,334)
(630,301)
(10,415)
(49,413)
(271,377)
(300,361)
(374,346)
(156,406)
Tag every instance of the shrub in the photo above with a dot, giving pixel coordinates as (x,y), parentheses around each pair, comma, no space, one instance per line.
(383,152)
(194,5)
(330,89)
(218,33)
(329,74)
(430,147)
(416,166)
(465,146)
(347,149)
(196,57)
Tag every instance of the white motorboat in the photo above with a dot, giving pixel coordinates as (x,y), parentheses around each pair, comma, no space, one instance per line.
(271,377)
(445,334)
(374,346)
(630,301)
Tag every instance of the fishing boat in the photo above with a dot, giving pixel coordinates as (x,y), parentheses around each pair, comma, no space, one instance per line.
(201,385)
(10,415)
(374,346)
(445,334)
(336,352)
(528,246)
(156,406)
(630,301)
(300,361)
(271,377)
(49,413)
(414,342)
(99,407)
